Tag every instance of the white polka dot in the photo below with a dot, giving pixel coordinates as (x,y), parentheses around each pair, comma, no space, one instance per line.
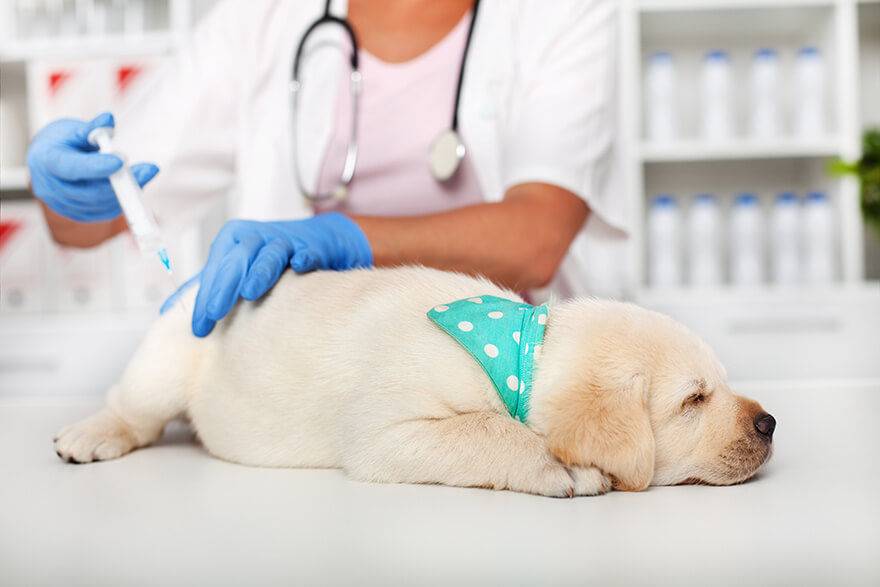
(495,315)
(522,386)
(537,351)
(513,382)
(465,326)
(542,319)
(441,308)
(491,350)
(516,336)
(476,300)
(527,348)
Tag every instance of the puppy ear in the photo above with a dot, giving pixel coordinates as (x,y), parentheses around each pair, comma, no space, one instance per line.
(608,428)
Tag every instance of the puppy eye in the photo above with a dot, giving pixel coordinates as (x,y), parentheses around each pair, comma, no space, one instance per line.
(696,398)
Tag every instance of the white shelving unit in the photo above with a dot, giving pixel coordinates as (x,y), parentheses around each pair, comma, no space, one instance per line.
(167,29)
(792,339)
(47,353)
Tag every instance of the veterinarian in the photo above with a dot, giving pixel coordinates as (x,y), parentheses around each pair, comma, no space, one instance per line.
(510,172)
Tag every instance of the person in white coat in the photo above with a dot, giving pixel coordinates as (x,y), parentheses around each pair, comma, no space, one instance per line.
(536,116)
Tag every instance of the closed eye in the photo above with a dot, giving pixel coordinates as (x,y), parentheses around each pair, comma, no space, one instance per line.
(700,393)
(695,400)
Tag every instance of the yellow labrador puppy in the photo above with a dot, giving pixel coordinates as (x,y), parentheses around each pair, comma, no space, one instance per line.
(348,370)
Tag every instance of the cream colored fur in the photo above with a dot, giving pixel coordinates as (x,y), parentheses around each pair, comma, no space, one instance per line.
(346,370)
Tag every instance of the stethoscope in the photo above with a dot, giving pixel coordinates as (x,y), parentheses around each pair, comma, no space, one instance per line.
(446,152)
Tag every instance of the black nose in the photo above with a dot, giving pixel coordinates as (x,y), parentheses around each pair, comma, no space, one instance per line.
(765,424)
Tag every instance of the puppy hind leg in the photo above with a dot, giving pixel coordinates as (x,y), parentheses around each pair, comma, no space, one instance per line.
(152,391)
(470,450)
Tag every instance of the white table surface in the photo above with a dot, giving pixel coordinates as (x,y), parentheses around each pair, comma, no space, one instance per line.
(172,515)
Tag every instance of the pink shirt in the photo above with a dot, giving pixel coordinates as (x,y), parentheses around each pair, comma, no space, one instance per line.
(404,107)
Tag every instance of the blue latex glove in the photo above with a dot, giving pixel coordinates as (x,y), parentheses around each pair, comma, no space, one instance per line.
(248,257)
(70,176)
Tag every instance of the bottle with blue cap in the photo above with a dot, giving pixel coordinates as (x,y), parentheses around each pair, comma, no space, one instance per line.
(661,98)
(764,100)
(810,93)
(785,231)
(716,97)
(818,239)
(704,232)
(746,241)
(664,242)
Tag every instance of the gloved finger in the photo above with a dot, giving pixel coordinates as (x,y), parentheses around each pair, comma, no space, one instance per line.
(266,269)
(91,194)
(230,276)
(172,299)
(103,209)
(75,166)
(223,243)
(144,172)
(304,260)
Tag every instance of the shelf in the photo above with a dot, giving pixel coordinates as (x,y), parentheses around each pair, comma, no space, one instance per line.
(694,150)
(13,179)
(80,47)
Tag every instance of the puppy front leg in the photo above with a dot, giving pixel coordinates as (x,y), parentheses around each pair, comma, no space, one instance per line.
(470,450)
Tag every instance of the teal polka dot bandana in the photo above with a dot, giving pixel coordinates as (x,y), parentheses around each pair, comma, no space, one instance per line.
(504,337)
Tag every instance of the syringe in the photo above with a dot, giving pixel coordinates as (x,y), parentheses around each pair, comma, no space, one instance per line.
(139,218)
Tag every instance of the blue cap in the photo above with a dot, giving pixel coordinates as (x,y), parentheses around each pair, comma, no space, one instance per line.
(809,52)
(705,199)
(787,198)
(765,53)
(817,198)
(746,200)
(717,54)
(663,201)
(661,56)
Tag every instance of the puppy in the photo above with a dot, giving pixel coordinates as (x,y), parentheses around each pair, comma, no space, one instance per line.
(347,370)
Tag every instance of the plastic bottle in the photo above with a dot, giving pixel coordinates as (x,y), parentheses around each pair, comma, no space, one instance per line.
(664,242)
(716,95)
(661,98)
(810,94)
(764,107)
(704,241)
(785,230)
(746,241)
(818,239)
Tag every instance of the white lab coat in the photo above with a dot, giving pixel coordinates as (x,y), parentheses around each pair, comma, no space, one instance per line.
(537,104)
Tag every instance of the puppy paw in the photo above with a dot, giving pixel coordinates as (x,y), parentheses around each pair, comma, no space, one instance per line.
(97,438)
(589,481)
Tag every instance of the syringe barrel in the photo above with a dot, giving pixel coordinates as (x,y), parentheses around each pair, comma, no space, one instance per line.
(140,221)
(128,192)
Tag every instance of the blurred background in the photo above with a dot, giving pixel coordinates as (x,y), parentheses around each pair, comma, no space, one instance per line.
(752,174)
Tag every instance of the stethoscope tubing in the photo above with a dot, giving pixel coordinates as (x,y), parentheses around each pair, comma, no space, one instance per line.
(340,191)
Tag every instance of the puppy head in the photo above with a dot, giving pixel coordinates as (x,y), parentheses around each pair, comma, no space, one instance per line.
(643,399)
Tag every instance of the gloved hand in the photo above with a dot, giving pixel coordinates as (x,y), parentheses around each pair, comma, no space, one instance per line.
(70,176)
(248,257)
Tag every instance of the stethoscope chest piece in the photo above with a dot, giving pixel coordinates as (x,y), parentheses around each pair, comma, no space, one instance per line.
(447,152)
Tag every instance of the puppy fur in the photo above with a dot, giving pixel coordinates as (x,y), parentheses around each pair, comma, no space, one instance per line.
(345,370)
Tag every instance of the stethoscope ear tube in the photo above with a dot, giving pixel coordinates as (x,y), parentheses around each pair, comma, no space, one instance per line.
(446,152)
(340,190)
(326,19)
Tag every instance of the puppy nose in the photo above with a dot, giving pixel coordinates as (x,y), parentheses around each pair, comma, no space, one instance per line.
(765,424)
